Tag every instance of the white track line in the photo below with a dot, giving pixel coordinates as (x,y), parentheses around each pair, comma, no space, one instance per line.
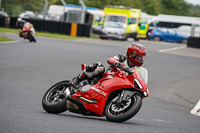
(10,42)
(158,120)
(172,49)
(154,120)
(196,109)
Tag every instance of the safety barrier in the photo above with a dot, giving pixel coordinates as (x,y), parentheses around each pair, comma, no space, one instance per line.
(73,29)
(194,42)
(2,21)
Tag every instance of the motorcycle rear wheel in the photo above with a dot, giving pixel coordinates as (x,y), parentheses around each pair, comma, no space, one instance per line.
(54,100)
(125,111)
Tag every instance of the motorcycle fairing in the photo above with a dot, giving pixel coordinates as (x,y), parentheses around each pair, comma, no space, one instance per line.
(27,27)
(102,89)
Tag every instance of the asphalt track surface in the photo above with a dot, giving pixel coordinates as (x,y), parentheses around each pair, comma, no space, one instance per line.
(27,70)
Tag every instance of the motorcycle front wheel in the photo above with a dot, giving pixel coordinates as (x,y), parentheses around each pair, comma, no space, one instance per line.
(54,100)
(31,37)
(120,112)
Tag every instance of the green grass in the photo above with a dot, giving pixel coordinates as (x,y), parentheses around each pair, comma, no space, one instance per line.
(7,30)
(59,36)
(4,39)
(46,34)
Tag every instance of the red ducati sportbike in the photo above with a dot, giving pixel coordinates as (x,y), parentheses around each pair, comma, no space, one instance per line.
(116,95)
(28,32)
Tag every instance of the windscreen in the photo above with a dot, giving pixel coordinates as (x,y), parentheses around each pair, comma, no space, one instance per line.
(133,21)
(121,19)
(113,25)
(143,73)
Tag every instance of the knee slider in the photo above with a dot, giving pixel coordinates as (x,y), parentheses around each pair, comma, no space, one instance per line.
(94,69)
(91,67)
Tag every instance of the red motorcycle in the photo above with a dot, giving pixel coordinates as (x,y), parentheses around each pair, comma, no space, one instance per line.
(116,95)
(28,32)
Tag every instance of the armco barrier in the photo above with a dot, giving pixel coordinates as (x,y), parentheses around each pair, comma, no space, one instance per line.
(194,42)
(83,30)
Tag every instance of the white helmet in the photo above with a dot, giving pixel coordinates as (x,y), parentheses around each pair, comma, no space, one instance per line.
(19,19)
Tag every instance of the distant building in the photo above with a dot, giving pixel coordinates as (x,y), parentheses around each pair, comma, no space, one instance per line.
(72,13)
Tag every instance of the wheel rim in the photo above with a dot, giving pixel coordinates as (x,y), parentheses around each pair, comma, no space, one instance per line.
(56,94)
(116,109)
(156,38)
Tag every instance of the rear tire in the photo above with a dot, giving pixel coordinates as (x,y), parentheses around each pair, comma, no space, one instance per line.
(136,39)
(115,113)
(125,39)
(53,101)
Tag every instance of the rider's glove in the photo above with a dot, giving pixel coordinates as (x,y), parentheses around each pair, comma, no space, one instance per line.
(119,65)
(128,71)
(122,67)
(121,57)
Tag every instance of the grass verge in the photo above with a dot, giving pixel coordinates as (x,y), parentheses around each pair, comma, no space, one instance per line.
(46,34)
(4,39)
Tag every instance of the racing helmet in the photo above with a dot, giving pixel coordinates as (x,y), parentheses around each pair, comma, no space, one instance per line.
(135,54)
(19,20)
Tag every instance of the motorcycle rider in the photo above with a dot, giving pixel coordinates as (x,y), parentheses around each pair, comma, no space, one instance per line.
(133,58)
(19,24)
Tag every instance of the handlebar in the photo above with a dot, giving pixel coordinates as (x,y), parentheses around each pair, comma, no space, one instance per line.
(123,67)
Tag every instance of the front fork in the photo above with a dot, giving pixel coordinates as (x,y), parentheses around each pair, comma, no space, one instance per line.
(125,95)
(70,90)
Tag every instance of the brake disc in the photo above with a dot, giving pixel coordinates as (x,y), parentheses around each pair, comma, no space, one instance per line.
(118,109)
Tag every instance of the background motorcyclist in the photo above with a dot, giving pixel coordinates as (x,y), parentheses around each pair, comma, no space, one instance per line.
(19,24)
(133,58)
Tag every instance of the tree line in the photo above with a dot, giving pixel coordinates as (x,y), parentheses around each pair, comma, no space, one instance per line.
(153,7)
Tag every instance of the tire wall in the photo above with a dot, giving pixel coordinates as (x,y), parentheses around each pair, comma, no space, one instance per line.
(2,21)
(194,42)
(82,30)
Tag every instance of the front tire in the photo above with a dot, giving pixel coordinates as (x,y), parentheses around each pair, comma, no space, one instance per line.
(31,37)
(103,38)
(120,113)
(136,39)
(54,100)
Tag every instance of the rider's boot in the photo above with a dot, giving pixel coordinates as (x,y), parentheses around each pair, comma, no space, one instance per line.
(76,80)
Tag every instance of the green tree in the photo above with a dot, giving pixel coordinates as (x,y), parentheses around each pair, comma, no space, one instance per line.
(175,7)
(154,7)
(151,6)
(195,10)
(15,7)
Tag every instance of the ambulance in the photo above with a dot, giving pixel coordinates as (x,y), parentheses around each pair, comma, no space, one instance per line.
(128,17)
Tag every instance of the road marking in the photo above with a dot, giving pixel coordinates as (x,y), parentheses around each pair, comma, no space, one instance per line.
(161,120)
(196,109)
(172,49)
(10,42)
(156,120)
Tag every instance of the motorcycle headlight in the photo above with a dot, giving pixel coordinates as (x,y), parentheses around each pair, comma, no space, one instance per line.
(137,84)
